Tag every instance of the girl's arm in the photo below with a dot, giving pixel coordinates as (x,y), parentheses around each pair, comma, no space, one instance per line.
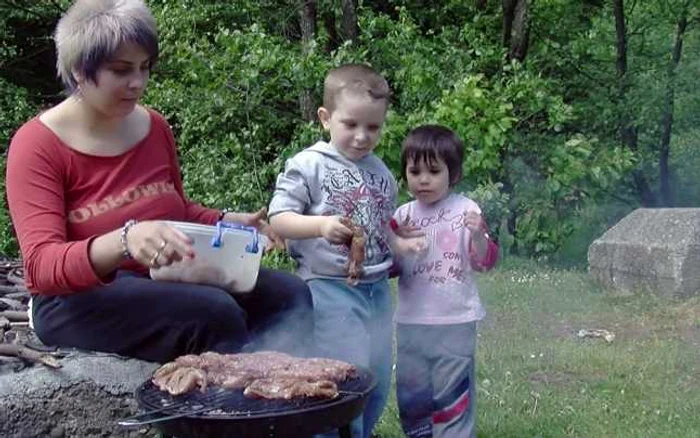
(483,251)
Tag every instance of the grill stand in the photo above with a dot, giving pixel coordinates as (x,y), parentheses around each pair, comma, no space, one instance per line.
(343,432)
(188,416)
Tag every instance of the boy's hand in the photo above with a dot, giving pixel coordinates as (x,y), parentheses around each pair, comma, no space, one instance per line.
(333,230)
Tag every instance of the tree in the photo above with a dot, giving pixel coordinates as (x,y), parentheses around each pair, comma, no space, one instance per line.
(627,127)
(516,28)
(307,22)
(350,20)
(665,193)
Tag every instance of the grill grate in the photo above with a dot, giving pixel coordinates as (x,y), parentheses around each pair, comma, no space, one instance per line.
(224,403)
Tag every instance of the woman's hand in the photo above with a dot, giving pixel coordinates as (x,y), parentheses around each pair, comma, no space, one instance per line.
(155,244)
(259,221)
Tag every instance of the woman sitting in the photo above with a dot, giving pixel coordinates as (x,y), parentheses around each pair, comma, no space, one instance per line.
(89,184)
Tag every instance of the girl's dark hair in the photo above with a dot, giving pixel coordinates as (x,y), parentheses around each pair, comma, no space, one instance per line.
(430,142)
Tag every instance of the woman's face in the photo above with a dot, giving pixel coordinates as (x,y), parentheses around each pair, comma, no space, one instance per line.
(119,82)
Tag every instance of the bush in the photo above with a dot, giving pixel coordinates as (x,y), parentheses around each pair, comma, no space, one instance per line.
(16,109)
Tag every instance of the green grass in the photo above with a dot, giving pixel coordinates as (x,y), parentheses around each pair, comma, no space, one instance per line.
(536,378)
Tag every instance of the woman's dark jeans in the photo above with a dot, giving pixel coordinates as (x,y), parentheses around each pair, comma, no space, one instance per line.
(158,320)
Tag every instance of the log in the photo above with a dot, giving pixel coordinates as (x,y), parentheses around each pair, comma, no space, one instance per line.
(23,352)
(5,289)
(20,296)
(15,279)
(15,315)
(11,304)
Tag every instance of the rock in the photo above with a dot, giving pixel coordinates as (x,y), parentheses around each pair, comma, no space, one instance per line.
(655,250)
(57,432)
(84,398)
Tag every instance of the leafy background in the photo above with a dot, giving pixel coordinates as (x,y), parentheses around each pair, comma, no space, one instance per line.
(545,156)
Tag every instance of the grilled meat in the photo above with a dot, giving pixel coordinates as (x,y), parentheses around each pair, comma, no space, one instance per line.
(317,369)
(180,380)
(356,257)
(269,374)
(288,388)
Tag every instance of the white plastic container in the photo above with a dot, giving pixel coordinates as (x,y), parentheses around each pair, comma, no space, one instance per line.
(226,255)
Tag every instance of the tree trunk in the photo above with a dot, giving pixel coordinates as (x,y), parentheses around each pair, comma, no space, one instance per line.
(508,16)
(350,29)
(628,132)
(329,24)
(665,192)
(307,22)
(516,28)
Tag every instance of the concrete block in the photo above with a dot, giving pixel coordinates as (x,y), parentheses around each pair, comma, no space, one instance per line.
(84,398)
(656,250)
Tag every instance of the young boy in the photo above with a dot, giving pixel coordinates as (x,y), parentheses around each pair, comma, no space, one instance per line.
(323,186)
(438,298)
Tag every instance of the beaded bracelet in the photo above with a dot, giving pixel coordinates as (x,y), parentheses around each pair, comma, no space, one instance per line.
(223,213)
(122,237)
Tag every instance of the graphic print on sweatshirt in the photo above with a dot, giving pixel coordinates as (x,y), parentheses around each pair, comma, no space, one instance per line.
(363,196)
(446,259)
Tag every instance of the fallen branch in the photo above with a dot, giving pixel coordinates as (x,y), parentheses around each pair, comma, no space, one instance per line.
(11,304)
(15,315)
(5,289)
(15,279)
(28,354)
(17,295)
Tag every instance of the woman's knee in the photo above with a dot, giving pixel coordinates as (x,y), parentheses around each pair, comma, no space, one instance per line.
(286,288)
(208,305)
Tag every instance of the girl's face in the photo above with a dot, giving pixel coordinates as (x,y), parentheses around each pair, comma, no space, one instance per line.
(119,83)
(428,181)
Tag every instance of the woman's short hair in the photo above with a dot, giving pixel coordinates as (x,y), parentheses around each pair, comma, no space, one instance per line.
(430,142)
(91,31)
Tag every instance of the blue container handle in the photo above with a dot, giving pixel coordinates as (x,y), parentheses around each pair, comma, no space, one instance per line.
(252,247)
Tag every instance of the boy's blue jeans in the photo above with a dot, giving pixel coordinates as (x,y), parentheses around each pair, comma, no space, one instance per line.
(354,324)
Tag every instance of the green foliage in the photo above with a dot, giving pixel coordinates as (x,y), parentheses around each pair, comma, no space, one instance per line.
(16,109)
(542,137)
(494,204)
(232,98)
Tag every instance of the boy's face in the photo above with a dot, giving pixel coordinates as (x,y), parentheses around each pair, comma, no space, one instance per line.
(428,181)
(355,125)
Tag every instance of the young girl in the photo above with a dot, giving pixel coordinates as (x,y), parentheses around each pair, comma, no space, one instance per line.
(438,297)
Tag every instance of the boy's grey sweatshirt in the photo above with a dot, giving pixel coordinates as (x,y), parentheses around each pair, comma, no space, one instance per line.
(319,181)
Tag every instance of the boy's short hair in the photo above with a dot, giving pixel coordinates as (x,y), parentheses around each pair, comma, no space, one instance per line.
(430,142)
(91,31)
(359,79)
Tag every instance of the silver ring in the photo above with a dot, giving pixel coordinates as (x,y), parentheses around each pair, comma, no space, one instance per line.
(154,260)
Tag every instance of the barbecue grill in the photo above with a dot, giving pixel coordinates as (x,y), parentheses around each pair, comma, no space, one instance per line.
(227,413)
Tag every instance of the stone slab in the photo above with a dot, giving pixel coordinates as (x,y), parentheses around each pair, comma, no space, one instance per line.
(84,398)
(655,250)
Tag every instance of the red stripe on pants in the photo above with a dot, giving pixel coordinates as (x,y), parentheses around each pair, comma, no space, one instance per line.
(455,410)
